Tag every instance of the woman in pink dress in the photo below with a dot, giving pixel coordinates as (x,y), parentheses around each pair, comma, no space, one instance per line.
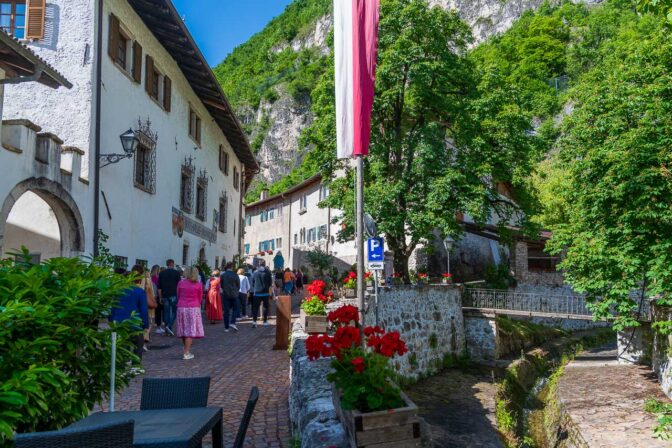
(213,307)
(189,324)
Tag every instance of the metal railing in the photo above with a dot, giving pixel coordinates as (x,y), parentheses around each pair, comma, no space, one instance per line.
(529,302)
(562,305)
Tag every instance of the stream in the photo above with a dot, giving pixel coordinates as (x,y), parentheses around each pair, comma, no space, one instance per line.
(458,407)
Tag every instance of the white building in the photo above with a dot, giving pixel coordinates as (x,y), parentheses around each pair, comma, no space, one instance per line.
(135,66)
(292,224)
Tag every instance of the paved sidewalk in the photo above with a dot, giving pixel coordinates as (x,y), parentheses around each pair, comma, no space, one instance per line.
(235,361)
(606,400)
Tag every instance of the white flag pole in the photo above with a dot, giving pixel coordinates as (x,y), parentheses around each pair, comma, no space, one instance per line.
(360,238)
(113,370)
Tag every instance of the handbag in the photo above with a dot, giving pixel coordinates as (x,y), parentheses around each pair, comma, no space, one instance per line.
(149,291)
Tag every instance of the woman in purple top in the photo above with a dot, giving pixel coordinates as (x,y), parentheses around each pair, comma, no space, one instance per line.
(189,324)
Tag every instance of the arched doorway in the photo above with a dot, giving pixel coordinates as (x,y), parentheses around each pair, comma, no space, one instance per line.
(40,214)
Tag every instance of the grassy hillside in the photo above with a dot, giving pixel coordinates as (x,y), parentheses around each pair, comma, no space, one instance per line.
(251,71)
(545,55)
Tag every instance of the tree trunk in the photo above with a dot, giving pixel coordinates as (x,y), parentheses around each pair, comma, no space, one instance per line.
(401,264)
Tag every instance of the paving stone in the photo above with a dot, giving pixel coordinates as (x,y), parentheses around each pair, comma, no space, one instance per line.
(235,361)
(605,400)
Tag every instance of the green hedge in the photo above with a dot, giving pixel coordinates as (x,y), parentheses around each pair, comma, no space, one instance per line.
(54,355)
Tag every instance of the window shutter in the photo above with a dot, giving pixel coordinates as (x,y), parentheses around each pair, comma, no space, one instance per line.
(35,19)
(198,130)
(137,62)
(167,89)
(149,72)
(113,41)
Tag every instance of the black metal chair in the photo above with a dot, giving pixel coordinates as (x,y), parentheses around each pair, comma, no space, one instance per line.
(174,393)
(247,416)
(116,435)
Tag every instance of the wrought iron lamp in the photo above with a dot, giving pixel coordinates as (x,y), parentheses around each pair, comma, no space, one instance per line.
(448,244)
(129,143)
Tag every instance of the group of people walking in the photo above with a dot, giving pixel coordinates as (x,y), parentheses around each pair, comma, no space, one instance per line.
(171,301)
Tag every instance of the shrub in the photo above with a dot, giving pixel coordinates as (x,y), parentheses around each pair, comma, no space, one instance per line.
(54,356)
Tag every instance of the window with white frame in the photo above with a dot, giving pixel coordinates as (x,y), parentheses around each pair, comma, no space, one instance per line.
(322,232)
(324,192)
(278,243)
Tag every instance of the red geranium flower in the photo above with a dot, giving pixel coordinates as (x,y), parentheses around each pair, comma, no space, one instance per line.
(358,364)
(344,315)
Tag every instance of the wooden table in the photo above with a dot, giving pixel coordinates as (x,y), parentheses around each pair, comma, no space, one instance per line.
(169,428)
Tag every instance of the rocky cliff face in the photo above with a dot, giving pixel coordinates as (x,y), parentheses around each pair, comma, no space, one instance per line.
(282,121)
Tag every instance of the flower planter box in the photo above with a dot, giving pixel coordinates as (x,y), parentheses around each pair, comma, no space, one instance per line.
(398,428)
(447,281)
(349,293)
(314,324)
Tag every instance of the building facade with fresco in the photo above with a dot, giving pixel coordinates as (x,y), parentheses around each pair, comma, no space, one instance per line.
(173,189)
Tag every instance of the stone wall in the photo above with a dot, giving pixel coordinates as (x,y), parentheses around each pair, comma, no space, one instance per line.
(480,331)
(635,345)
(661,359)
(429,319)
(311,409)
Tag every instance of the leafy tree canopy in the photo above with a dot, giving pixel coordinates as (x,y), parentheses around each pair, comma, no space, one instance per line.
(444,133)
(615,152)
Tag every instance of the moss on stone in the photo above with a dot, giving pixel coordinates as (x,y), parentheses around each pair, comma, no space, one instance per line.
(523,373)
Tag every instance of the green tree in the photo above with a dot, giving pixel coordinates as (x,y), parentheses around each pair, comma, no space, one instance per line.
(55,357)
(659,7)
(444,134)
(615,149)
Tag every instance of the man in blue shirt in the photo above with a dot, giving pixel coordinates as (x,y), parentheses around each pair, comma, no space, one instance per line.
(133,303)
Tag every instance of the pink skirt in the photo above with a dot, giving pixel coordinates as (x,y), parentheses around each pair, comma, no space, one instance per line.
(189,323)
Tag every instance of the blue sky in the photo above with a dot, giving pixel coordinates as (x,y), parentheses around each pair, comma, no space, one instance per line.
(218,26)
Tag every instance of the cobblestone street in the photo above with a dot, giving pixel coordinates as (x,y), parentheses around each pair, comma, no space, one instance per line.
(235,361)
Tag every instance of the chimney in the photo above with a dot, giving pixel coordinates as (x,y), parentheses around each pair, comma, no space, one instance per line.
(264,194)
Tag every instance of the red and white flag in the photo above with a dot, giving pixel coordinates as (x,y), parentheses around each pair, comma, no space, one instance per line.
(355,45)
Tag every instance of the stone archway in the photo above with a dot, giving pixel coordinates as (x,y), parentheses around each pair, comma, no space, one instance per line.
(63,205)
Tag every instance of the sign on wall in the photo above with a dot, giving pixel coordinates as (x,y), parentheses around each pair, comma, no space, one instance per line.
(186,224)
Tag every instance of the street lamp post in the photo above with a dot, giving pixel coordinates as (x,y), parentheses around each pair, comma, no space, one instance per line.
(129,143)
(448,244)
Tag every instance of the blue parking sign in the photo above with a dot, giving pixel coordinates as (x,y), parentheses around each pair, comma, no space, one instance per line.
(376,250)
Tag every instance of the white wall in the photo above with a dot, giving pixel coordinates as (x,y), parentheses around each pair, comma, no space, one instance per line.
(32,223)
(68,46)
(141,227)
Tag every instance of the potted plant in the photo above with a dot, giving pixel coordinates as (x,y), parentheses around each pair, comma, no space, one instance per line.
(314,308)
(368,278)
(350,285)
(396,278)
(423,278)
(446,278)
(373,410)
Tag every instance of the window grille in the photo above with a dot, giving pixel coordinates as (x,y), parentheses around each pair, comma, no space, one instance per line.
(144,176)
(187,185)
(223,211)
(201,195)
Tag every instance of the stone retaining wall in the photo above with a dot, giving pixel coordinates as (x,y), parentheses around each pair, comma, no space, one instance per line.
(480,331)
(311,409)
(429,318)
(662,361)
